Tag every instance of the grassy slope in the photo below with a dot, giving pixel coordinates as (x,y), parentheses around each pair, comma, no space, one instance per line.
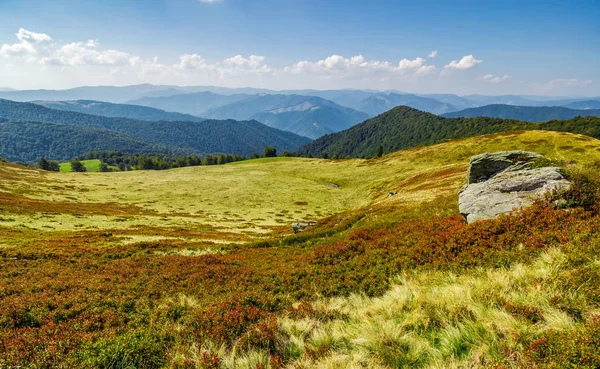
(139,233)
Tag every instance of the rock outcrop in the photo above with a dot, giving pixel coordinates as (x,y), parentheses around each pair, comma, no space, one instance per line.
(500,182)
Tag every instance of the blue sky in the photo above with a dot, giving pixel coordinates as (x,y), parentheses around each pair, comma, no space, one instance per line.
(525,47)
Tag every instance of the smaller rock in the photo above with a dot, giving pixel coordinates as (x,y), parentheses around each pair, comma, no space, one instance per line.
(303,226)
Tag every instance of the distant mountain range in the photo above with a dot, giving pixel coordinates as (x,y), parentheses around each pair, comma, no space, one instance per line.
(347,97)
(383,102)
(117,110)
(204,137)
(526,113)
(404,127)
(309,116)
(308,113)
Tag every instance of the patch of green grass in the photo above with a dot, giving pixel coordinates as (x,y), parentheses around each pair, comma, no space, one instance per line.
(92,166)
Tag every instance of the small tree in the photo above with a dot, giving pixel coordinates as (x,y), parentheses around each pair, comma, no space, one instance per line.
(104,167)
(77,166)
(270,152)
(53,166)
(255,155)
(380,151)
(43,164)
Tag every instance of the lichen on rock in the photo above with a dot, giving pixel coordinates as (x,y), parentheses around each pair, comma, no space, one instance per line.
(500,182)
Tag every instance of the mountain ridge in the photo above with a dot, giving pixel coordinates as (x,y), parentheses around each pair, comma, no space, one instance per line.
(525,113)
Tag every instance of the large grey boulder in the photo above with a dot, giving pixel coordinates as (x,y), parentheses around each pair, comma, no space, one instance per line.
(500,182)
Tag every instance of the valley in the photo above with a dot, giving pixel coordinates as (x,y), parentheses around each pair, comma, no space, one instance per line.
(188,266)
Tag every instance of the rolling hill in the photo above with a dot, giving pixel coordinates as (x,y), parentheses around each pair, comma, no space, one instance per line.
(112,110)
(308,116)
(526,113)
(404,127)
(209,136)
(584,104)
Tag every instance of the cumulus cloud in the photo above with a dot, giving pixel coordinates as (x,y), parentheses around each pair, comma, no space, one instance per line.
(29,44)
(85,53)
(359,67)
(39,48)
(432,54)
(493,79)
(467,62)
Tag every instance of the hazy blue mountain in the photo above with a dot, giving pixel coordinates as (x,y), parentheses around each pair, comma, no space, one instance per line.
(193,103)
(102,93)
(383,102)
(208,136)
(584,105)
(348,98)
(117,110)
(457,101)
(524,113)
(309,116)
(482,100)
(310,120)
(523,100)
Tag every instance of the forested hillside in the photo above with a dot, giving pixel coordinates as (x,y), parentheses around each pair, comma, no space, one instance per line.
(404,127)
(27,141)
(117,110)
(210,136)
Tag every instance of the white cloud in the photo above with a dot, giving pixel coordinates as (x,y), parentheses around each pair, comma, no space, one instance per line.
(238,65)
(359,67)
(467,62)
(85,53)
(29,43)
(493,79)
(209,1)
(191,62)
(432,54)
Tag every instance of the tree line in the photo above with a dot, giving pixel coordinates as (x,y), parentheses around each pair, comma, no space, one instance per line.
(127,161)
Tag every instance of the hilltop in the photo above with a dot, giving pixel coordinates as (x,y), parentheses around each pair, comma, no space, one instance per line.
(404,127)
